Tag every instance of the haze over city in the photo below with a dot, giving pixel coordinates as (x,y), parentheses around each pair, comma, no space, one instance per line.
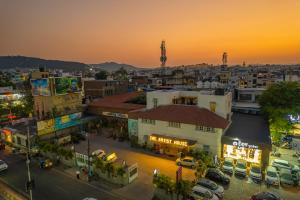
(130,31)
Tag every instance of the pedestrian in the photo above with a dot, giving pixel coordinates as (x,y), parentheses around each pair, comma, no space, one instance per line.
(77,174)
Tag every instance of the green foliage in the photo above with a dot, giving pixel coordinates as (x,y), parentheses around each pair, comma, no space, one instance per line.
(202,155)
(184,188)
(164,182)
(56,149)
(110,169)
(120,171)
(140,99)
(99,163)
(200,169)
(278,101)
(102,75)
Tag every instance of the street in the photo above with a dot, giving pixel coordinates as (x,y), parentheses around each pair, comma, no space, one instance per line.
(50,184)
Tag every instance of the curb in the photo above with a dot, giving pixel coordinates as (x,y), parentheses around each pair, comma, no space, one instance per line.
(19,193)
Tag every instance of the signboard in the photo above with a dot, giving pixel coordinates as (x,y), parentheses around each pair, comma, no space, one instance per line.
(118,115)
(168,140)
(67,121)
(294,118)
(45,127)
(51,125)
(40,87)
(65,85)
(240,144)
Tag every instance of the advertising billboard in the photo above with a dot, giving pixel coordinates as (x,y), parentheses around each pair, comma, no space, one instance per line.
(65,85)
(51,125)
(45,127)
(40,87)
(67,121)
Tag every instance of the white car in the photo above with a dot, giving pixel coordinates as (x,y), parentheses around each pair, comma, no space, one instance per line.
(228,165)
(186,161)
(3,165)
(283,164)
(272,176)
(199,192)
(99,153)
(255,173)
(241,168)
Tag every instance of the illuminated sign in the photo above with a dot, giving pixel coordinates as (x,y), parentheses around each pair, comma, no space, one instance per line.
(118,115)
(294,118)
(240,144)
(168,141)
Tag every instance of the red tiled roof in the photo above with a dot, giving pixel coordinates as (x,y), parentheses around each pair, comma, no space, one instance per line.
(117,102)
(186,114)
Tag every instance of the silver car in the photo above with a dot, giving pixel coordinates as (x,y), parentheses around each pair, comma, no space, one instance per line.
(286,177)
(272,177)
(212,186)
(228,165)
(255,173)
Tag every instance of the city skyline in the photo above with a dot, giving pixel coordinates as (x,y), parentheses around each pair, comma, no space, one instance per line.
(131,32)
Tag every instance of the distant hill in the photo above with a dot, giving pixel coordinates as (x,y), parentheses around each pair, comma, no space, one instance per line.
(8,62)
(113,66)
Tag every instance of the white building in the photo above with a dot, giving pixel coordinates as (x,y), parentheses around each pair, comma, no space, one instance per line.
(175,121)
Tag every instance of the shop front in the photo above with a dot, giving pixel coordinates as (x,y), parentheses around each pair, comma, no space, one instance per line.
(170,145)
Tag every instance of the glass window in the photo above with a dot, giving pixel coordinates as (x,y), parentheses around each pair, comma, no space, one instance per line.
(155,102)
(148,121)
(199,128)
(174,124)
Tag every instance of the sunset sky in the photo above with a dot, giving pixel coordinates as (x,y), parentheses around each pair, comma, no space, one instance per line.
(130,31)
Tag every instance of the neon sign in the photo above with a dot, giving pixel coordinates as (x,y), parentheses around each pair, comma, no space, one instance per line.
(240,144)
(168,141)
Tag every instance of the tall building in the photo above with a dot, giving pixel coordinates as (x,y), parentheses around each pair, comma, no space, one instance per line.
(57,104)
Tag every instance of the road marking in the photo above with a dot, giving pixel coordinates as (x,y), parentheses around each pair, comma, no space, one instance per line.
(113,194)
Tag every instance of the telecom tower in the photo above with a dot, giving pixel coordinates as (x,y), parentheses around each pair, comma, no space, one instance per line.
(163,56)
(224,61)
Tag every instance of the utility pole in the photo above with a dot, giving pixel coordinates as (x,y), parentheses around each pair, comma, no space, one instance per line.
(88,151)
(29,184)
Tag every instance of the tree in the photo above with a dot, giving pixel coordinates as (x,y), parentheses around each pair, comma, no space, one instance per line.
(102,75)
(120,171)
(279,101)
(99,163)
(184,188)
(200,169)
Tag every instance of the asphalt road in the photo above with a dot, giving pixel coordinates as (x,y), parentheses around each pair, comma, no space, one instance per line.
(50,184)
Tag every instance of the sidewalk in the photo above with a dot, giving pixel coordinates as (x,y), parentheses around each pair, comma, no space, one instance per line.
(7,192)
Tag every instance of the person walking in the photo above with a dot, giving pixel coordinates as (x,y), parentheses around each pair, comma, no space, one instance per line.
(78,174)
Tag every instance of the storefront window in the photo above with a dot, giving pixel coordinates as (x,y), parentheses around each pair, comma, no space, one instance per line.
(249,154)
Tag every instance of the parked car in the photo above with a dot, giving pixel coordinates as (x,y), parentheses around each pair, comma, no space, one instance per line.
(265,196)
(186,161)
(286,177)
(99,153)
(228,165)
(212,186)
(241,168)
(217,176)
(44,164)
(283,164)
(202,192)
(3,165)
(112,157)
(272,177)
(255,173)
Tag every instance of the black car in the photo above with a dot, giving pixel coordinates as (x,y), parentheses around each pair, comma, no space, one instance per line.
(217,176)
(265,196)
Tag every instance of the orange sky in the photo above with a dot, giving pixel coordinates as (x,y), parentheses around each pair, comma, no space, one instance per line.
(130,31)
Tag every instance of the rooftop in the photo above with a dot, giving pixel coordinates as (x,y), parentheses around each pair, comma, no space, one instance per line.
(186,114)
(252,129)
(117,102)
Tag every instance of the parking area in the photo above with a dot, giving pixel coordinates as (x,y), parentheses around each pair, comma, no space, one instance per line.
(142,188)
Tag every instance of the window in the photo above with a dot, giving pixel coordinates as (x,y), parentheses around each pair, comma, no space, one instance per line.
(199,128)
(206,147)
(155,102)
(174,124)
(148,121)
